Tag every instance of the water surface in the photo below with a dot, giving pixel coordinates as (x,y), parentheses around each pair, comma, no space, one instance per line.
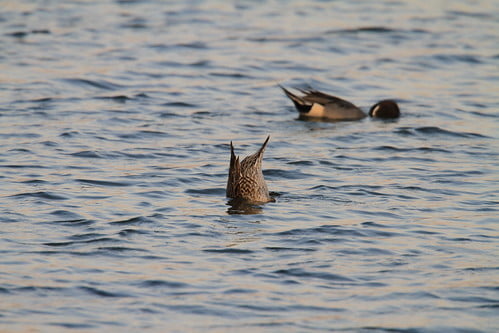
(115,123)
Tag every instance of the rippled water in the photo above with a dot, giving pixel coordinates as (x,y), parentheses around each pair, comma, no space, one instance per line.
(115,123)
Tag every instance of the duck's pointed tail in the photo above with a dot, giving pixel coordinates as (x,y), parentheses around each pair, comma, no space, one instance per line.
(301,105)
(262,149)
(234,172)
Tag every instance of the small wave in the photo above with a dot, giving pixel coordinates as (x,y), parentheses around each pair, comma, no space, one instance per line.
(229,251)
(87,154)
(135,23)
(74,223)
(86,236)
(180,104)
(22,34)
(17,34)
(297,272)
(42,100)
(41,195)
(151,133)
(378,214)
(37,289)
(325,229)
(286,39)
(132,221)
(289,249)
(120,249)
(20,135)
(117,98)
(482,114)
(481,15)
(231,75)
(69,218)
(103,182)
(167,115)
(176,64)
(423,149)
(475,299)
(190,180)
(200,63)
(129,232)
(162,284)
(154,194)
(102,293)
(69,134)
(239,291)
(304,163)
(144,134)
(434,130)
(65,213)
(366,252)
(374,29)
(362,187)
(77,326)
(138,156)
(34,181)
(285,174)
(86,241)
(450,58)
(99,84)
(20,166)
(217,191)
(193,45)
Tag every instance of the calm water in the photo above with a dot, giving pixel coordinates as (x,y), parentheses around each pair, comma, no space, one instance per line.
(115,123)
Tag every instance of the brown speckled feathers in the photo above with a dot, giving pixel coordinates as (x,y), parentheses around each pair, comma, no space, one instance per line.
(245,179)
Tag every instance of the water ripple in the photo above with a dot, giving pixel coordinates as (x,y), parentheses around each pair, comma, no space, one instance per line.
(103,182)
(295,272)
(116,120)
(435,131)
(99,84)
(41,195)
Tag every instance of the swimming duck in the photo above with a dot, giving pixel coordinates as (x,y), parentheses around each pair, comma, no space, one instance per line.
(246,178)
(316,104)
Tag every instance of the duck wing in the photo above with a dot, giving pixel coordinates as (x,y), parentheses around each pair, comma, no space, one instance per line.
(315,96)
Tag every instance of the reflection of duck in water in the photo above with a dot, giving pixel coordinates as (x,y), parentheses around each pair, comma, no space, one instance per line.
(316,104)
(246,178)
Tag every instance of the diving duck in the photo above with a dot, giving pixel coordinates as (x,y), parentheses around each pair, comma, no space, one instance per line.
(245,180)
(316,104)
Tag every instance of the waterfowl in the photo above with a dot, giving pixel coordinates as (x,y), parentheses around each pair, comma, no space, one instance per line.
(386,108)
(245,181)
(316,104)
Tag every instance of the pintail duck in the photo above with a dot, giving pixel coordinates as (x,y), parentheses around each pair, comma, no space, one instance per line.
(245,180)
(316,104)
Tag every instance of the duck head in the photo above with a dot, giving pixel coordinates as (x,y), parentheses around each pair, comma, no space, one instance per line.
(385,109)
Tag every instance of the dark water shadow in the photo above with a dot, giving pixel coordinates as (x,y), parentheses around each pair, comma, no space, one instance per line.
(245,207)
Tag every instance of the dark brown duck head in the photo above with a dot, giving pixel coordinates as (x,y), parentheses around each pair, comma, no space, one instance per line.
(245,181)
(385,109)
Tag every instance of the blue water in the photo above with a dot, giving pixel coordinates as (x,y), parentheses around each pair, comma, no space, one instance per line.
(115,123)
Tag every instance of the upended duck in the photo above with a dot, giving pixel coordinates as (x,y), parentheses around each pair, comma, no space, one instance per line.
(316,104)
(245,181)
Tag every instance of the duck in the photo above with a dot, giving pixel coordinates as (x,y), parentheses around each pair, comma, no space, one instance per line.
(316,104)
(245,181)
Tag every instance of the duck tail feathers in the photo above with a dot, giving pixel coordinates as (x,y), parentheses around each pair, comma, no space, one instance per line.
(262,149)
(301,105)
